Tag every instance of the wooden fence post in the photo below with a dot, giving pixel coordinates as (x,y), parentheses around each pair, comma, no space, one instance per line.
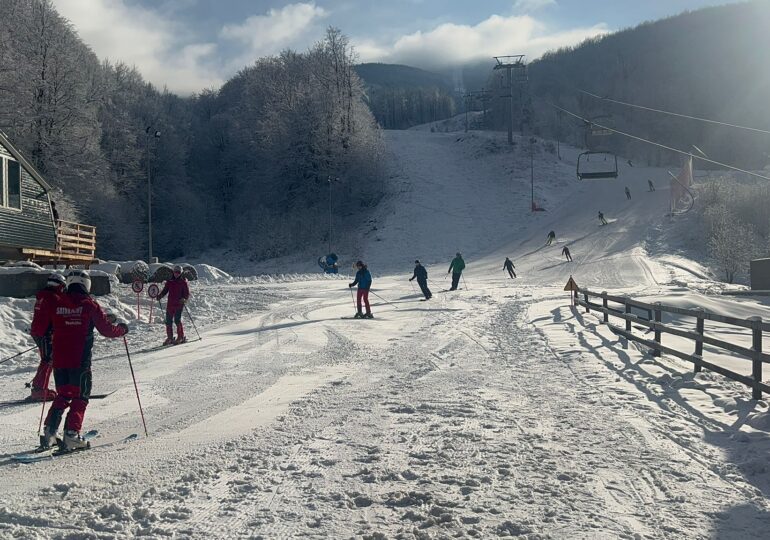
(658,319)
(604,305)
(628,312)
(756,345)
(699,344)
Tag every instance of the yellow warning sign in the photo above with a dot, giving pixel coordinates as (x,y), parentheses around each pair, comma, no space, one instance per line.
(571,285)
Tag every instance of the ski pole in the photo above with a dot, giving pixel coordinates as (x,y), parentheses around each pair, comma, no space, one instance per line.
(465,283)
(17,354)
(136,388)
(413,289)
(193,322)
(381,298)
(352,297)
(45,395)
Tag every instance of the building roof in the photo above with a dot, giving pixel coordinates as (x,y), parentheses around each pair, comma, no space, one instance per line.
(24,163)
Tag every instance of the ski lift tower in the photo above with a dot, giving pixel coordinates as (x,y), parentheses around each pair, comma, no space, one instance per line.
(516,72)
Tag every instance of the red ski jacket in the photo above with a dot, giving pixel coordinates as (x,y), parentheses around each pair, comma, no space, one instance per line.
(178,292)
(74,318)
(41,320)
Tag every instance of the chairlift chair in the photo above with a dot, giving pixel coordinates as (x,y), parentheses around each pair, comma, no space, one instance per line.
(608,168)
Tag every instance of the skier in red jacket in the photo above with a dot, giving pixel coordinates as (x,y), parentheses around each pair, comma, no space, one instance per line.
(73,317)
(178,292)
(42,331)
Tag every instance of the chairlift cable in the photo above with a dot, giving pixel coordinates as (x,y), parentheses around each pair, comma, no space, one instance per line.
(653,143)
(671,113)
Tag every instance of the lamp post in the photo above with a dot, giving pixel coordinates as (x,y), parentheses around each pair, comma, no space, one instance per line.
(329,179)
(156,135)
(532,142)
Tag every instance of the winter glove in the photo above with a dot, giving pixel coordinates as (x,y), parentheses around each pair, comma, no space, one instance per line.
(182,301)
(350,285)
(124,327)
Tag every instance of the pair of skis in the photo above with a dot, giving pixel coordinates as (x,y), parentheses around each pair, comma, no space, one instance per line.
(55,452)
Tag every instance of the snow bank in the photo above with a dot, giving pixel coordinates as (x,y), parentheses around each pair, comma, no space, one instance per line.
(211,273)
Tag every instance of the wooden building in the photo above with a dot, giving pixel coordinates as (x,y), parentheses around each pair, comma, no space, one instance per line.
(28,230)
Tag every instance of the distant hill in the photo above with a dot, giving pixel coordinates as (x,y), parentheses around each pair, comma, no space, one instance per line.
(400,76)
(708,63)
(402,96)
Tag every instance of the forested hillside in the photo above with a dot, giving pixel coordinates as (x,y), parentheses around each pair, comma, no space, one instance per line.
(710,63)
(245,166)
(401,96)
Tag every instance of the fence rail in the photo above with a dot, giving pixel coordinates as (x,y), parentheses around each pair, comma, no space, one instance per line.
(653,320)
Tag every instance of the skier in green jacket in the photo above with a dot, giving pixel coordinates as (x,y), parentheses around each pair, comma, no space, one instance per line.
(456,269)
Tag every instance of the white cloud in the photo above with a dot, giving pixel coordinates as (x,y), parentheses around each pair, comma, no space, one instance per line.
(450,44)
(143,38)
(528,6)
(168,55)
(263,35)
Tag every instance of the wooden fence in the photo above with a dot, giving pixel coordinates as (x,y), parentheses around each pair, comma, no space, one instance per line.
(623,308)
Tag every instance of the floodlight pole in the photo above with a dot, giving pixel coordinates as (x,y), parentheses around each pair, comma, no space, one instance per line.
(156,133)
(532,171)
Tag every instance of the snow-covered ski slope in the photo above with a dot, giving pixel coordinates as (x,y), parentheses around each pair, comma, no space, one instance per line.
(496,411)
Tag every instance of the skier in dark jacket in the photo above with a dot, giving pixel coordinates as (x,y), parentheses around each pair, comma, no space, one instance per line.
(42,333)
(628,193)
(551,238)
(566,253)
(73,317)
(178,293)
(456,268)
(421,274)
(602,221)
(651,185)
(508,265)
(364,282)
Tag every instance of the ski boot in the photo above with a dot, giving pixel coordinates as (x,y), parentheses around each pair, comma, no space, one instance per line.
(180,340)
(42,394)
(368,316)
(47,440)
(73,442)
(358,315)
(169,341)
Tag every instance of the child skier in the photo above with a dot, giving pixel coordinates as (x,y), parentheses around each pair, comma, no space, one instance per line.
(178,292)
(456,267)
(421,274)
(73,316)
(42,331)
(364,282)
(508,265)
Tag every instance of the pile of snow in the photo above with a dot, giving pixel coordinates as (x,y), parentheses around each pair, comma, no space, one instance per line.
(22,264)
(211,273)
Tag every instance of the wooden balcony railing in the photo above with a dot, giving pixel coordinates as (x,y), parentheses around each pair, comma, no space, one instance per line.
(75,239)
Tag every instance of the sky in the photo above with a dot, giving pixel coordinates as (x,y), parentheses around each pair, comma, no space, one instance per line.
(189,45)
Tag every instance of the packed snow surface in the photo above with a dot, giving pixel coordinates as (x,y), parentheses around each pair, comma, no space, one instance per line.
(494,411)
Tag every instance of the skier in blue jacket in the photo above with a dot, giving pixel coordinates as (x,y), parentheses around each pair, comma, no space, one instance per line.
(364,282)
